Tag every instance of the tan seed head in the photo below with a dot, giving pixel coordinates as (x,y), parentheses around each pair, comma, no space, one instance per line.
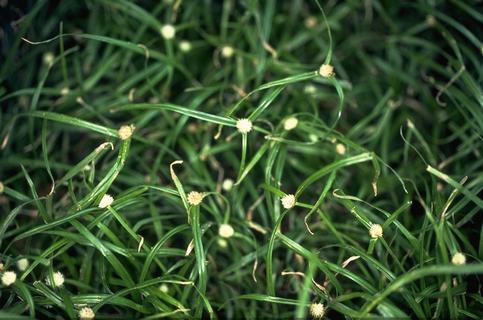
(226,231)
(326,70)
(227,52)
(340,148)
(195,198)
(458,259)
(290,123)
(9,278)
(244,125)
(375,231)
(317,310)
(86,313)
(125,132)
(288,201)
(168,31)
(58,279)
(106,201)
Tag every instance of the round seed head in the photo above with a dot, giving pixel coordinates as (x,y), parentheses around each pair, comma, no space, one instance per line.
(106,201)
(48,58)
(9,278)
(326,70)
(430,20)
(164,288)
(244,125)
(195,198)
(290,123)
(458,259)
(227,184)
(310,22)
(288,201)
(125,132)
(2,187)
(86,313)
(222,243)
(310,89)
(168,31)
(375,231)
(227,51)
(65,91)
(226,231)
(185,46)
(317,310)
(22,264)
(58,279)
(340,148)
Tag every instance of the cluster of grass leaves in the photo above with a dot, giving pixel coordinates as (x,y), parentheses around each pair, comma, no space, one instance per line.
(394,138)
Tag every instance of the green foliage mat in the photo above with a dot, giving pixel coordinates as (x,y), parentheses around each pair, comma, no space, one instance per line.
(189,159)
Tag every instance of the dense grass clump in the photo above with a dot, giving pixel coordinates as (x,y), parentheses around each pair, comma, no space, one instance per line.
(241,159)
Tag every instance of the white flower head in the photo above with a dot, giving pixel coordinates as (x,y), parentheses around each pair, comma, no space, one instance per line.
(226,231)
(86,313)
(195,198)
(430,21)
(458,259)
(106,201)
(313,137)
(22,264)
(227,51)
(222,243)
(164,288)
(48,58)
(290,123)
(2,187)
(168,31)
(340,148)
(375,231)
(310,89)
(9,278)
(65,91)
(58,279)
(311,22)
(125,132)
(185,46)
(317,310)
(326,70)
(227,184)
(244,125)
(288,201)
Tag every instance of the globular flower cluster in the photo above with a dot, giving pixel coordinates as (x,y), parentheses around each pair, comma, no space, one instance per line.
(195,198)
(288,201)
(86,313)
(375,231)
(244,125)
(9,278)
(326,70)
(226,231)
(317,310)
(106,201)
(56,281)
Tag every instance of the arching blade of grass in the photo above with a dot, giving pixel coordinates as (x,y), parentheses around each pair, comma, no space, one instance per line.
(182,110)
(456,185)
(117,265)
(265,103)
(363,157)
(73,121)
(419,273)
